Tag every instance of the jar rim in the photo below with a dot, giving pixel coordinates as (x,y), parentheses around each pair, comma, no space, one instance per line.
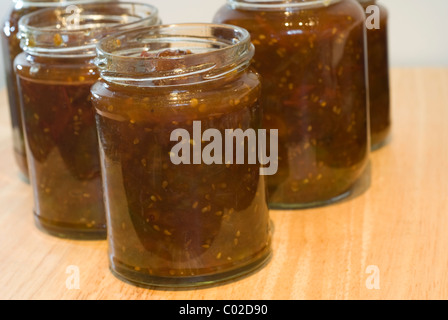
(278,4)
(74,30)
(50,4)
(216,50)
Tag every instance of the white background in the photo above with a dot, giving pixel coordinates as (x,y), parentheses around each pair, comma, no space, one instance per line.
(418,28)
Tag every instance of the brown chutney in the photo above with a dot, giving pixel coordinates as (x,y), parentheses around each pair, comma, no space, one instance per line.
(186,224)
(55,74)
(311,56)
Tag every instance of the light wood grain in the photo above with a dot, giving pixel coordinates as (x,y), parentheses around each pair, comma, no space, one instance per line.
(399,224)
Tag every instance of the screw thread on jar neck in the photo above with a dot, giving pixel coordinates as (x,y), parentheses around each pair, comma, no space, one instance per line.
(61,32)
(51,3)
(278,4)
(214,52)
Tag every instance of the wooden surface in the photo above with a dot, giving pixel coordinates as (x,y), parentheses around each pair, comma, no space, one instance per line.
(400,225)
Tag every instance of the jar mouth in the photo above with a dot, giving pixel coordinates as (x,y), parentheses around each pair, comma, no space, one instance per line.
(75,30)
(278,4)
(49,3)
(205,52)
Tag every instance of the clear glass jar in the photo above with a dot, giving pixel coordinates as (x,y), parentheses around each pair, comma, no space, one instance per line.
(11,49)
(311,56)
(54,74)
(186,224)
(378,56)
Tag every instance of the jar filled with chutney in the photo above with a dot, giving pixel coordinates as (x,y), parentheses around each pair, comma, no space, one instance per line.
(55,73)
(378,56)
(180,221)
(11,49)
(312,59)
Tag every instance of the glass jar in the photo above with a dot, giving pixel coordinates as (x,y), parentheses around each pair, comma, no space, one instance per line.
(378,54)
(171,223)
(311,56)
(55,73)
(11,49)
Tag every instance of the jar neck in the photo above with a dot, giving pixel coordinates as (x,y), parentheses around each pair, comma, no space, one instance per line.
(275,5)
(72,60)
(175,55)
(74,31)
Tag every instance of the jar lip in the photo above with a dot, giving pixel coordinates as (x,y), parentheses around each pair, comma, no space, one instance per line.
(216,50)
(104,42)
(50,31)
(278,4)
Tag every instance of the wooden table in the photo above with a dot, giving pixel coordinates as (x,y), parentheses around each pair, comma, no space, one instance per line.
(399,225)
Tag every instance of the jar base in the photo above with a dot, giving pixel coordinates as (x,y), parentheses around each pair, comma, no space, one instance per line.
(23,167)
(68,231)
(381,143)
(24,178)
(380,139)
(148,281)
(309,205)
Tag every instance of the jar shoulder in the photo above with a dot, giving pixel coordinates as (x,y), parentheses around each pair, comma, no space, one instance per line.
(207,98)
(343,12)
